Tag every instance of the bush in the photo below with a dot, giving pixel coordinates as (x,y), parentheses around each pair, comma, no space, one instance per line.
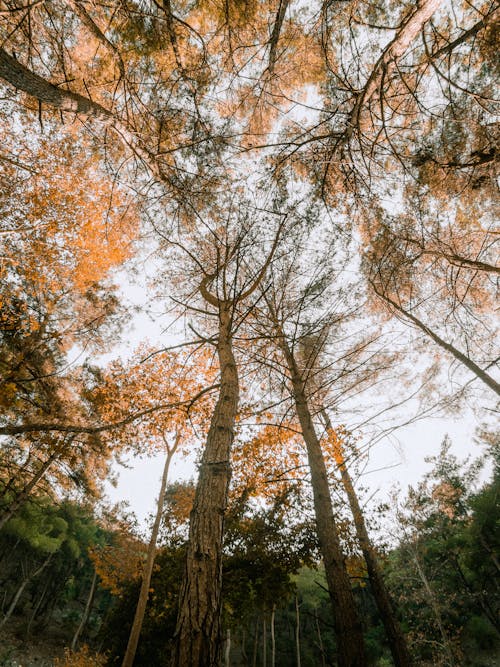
(81,658)
(480,630)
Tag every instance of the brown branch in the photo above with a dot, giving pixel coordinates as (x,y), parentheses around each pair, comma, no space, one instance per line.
(275,35)
(203,287)
(466,361)
(99,428)
(392,53)
(458,260)
(477,27)
(45,92)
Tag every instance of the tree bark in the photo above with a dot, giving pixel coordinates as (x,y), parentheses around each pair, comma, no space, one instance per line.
(273,637)
(227,649)
(45,92)
(135,632)
(397,640)
(264,640)
(320,639)
(255,643)
(348,628)
(197,636)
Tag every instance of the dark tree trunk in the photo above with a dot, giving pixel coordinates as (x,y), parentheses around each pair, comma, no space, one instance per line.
(197,637)
(397,640)
(348,628)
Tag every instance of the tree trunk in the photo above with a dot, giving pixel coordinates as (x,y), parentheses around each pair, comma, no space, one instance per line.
(397,640)
(273,638)
(297,630)
(243,647)
(320,639)
(255,643)
(135,632)
(348,629)
(435,608)
(264,640)
(227,649)
(197,636)
(86,612)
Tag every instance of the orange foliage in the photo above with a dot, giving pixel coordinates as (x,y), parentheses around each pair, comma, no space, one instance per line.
(120,562)
(80,658)
(70,226)
(162,384)
(267,459)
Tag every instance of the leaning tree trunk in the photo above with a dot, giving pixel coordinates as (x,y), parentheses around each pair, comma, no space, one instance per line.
(348,629)
(135,632)
(397,640)
(198,632)
(86,613)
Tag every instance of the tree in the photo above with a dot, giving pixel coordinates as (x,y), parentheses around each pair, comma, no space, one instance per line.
(397,642)
(184,378)
(192,105)
(395,274)
(226,288)
(435,523)
(60,296)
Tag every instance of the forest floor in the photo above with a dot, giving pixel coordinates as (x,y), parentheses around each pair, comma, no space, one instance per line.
(17,651)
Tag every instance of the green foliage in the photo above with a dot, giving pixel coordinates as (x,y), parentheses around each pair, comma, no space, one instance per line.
(444,571)
(44,553)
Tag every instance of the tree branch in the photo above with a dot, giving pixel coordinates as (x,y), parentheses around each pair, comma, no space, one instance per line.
(99,428)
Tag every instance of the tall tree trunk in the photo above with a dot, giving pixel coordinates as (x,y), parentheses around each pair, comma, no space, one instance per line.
(86,612)
(273,637)
(135,632)
(435,608)
(197,636)
(348,629)
(397,640)
(243,647)
(297,630)
(320,639)
(264,640)
(255,643)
